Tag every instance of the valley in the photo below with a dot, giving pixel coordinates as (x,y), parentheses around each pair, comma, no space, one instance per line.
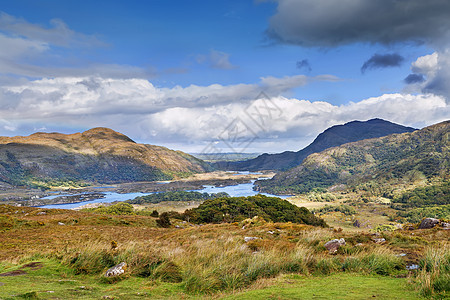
(354,212)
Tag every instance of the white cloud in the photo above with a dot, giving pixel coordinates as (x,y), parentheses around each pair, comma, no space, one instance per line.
(435,68)
(192,116)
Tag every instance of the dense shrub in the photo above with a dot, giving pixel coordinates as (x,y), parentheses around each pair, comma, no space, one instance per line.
(235,209)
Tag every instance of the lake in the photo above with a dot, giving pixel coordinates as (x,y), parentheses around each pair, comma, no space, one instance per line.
(240,190)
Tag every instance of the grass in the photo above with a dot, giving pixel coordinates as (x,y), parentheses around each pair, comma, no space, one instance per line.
(342,286)
(207,261)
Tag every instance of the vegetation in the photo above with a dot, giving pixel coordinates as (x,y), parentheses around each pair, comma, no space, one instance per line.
(425,196)
(99,155)
(236,209)
(417,214)
(345,209)
(176,196)
(398,159)
(212,259)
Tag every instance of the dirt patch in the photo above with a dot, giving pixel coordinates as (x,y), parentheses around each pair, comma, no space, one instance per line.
(35,265)
(1,283)
(13,273)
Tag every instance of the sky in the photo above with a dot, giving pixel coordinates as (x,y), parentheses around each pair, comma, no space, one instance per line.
(221,76)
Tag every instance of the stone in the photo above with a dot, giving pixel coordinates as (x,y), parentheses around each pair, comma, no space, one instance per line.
(379,240)
(445,225)
(61,223)
(428,223)
(41,213)
(116,270)
(250,238)
(333,245)
(357,223)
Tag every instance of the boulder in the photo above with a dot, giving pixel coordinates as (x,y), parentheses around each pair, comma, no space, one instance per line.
(116,270)
(428,223)
(333,245)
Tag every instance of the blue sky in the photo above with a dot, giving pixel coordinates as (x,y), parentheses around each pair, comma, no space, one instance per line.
(177,73)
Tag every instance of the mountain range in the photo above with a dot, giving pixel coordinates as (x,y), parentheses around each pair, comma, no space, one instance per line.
(97,155)
(393,159)
(332,137)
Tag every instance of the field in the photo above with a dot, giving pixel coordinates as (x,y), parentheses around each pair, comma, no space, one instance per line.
(211,261)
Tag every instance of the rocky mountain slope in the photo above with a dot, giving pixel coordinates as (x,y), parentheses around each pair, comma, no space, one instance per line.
(332,137)
(96,155)
(422,154)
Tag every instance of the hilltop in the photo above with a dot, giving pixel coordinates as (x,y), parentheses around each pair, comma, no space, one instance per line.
(389,160)
(332,137)
(97,155)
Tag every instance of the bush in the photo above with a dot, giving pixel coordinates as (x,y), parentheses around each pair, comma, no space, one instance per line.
(163,220)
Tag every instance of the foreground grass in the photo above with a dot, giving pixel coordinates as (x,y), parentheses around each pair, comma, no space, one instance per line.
(56,281)
(337,286)
(207,261)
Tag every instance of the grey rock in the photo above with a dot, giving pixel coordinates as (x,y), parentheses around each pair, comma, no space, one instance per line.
(61,223)
(379,240)
(333,245)
(250,238)
(428,223)
(41,213)
(445,225)
(116,270)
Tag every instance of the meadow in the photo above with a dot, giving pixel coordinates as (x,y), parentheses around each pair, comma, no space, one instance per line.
(56,254)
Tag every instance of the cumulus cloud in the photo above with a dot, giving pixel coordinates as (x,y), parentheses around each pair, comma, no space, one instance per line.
(329,23)
(378,61)
(196,115)
(217,60)
(433,74)
(304,64)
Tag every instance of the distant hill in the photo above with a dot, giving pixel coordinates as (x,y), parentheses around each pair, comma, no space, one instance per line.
(332,137)
(230,156)
(96,155)
(391,159)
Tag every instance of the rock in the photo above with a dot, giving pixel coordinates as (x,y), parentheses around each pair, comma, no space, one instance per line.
(333,245)
(116,270)
(412,267)
(271,232)
(445,225)
(250,238)
(41,213)
(61,223)
(428,223)
(379,240)
(357,223)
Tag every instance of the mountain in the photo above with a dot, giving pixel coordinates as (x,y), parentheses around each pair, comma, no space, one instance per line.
(332,137)
(96,155)
(396,158)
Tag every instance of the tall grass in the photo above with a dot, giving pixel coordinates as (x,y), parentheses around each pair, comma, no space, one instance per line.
(434,275)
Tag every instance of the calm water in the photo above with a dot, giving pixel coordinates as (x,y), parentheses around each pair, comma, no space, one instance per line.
(240,190)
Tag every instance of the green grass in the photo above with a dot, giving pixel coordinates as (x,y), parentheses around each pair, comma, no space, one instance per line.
(339,286)
(56,281)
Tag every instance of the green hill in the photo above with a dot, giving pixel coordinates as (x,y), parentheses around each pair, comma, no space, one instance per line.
(97,155)
(393,159)
(332,137)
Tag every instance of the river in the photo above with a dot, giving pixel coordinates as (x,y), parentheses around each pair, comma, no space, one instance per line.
(239,190)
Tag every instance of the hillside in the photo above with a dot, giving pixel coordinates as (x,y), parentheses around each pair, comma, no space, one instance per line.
(397,158)
(96,155)
(332,137)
